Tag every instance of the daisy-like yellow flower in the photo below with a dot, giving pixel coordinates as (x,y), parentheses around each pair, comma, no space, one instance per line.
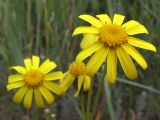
(34,80)
(77,70)
(106,39)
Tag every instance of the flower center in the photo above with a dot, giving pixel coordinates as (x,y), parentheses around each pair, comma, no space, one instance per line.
(33,78)
(113,35)
(77,68)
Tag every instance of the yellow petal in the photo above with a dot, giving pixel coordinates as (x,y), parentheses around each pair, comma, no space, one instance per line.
(46,94)
(19,69)
(28,98)
(19,95)
(53,87)
(64,75)
(35,62)
(67,82)
(118,19)
(104,18)
(85,29)
(87,83)
(133,27)
(92,20)
(28,63)
(126,63)
(88,40)
(88,51)
(47,66)
(15,85)
(15,78)
(135,54)
(96,61)
(54,76)
(111,66)
(141,44)
(80,82)
(38,98)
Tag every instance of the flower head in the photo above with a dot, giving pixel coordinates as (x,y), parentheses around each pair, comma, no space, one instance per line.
(76,70)
(105,40)
(34,80)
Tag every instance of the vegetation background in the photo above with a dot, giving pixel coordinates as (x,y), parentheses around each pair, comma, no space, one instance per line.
(44,28)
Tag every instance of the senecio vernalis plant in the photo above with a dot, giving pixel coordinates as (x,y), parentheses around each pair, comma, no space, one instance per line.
(103,42)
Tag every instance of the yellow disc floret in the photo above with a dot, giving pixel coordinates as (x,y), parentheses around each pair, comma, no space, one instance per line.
(113,35)
(33,78)
(77,68)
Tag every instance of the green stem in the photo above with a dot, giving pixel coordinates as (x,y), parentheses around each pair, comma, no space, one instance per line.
(110,7)
(89,101)
(29,24)
(38,7)
(139,85)
(109,101)
(100,87)
(37,113)
(46,28)
(82,107)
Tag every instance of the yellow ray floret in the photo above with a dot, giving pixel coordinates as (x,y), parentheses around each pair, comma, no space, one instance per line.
(105,40)
(88,40)
(35,80)
(104,18)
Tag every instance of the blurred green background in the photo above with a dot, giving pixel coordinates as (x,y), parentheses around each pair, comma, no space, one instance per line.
(44,28)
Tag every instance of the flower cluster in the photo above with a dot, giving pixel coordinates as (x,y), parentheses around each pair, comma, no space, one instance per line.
(105,41)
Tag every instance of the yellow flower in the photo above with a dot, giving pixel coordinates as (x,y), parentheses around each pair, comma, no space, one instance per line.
(34,80)
(76,70)
(106,39)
